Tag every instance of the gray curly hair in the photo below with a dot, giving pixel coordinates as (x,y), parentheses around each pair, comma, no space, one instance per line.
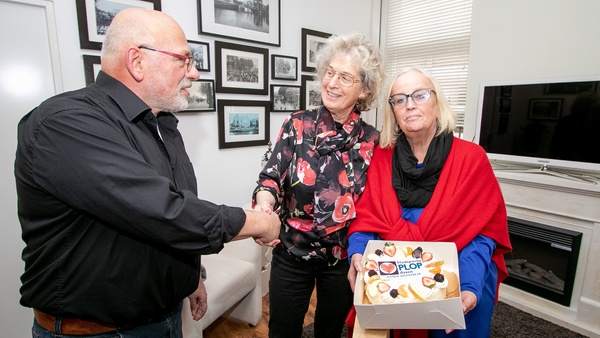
(366,57)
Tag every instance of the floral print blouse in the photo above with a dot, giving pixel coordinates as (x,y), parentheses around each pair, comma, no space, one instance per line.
(317,172)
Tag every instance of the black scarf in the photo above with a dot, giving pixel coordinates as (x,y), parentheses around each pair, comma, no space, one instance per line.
(414,186)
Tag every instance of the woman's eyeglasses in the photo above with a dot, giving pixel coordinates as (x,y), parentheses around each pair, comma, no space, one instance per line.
(419,96)
(344,79)
(187,60)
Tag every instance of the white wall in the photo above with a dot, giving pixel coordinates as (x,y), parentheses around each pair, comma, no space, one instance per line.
(224,176)
(516,40)
(28,74)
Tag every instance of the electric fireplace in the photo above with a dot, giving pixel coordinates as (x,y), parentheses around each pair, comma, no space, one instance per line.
(543,260)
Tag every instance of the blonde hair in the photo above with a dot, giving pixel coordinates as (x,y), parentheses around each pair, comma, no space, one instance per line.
(445,119)
(367,59)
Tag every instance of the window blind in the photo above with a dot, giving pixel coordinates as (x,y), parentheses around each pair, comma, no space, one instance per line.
(434,35)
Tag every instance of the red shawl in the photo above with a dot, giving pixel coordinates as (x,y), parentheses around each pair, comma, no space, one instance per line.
(467,201)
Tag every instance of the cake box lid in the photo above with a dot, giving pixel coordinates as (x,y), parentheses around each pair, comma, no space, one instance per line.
(436,314)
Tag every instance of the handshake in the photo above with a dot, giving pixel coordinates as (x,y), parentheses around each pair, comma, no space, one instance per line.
(266,208)
(262,223)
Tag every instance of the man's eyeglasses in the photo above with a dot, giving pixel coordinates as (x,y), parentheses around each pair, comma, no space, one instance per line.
(344,79)
(187,60)
(419,96)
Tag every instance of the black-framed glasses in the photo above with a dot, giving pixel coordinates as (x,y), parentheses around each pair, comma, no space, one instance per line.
(187,60)
(344,79)
(419,96)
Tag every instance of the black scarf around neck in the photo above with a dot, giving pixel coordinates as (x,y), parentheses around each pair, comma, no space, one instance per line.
(414,186)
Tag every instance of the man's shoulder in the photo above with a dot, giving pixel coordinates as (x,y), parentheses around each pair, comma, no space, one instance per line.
(64,101)
(89,101)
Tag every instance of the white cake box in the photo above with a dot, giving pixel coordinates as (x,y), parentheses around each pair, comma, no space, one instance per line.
(436,314)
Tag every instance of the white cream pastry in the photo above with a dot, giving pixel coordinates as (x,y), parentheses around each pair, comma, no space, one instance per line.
(405,275)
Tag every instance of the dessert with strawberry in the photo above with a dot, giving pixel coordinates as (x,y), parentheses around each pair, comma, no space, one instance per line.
(405,274)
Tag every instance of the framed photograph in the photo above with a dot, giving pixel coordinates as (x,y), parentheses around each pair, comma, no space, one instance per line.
(243,123)
(312,41)
(202,96)
(285,98)
(201,55)
(545,109)
(284,67)
(91,67)
(241,69)
(310,93)
(94,17)
(248,20)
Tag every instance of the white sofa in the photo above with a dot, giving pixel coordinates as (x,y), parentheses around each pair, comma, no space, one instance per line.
(233,285)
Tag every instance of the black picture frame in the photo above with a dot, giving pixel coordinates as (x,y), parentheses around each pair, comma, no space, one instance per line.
(310,94)
(227,19)
(200,54)
(241,69)
(285,98)
(91,67)
(545,109)
(284,67)
(250,119)
(94,21)
(202,97)
(311,41)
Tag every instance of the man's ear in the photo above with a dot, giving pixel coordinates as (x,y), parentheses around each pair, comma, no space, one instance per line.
(133,61)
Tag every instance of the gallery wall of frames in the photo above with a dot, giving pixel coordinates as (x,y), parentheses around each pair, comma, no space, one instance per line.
(243,35)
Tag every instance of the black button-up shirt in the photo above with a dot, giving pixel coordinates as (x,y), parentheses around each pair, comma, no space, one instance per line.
(108,208)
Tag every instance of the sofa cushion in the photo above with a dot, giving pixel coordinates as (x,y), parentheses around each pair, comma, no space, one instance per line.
(227,281)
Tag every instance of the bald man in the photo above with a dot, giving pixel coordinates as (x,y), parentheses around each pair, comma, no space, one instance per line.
(107,198)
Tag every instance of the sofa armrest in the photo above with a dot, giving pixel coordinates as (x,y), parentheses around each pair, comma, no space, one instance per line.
(245,249)
(250,309)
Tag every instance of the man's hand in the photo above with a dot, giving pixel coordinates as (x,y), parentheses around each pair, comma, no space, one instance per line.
(265,207)
(355,267)
(261,226)
(269,233)
(198,301)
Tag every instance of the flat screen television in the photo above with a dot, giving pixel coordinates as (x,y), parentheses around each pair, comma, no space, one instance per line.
(545,124)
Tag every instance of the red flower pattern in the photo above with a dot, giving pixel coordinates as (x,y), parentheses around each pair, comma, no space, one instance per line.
(344,208)
(338,252)
(300,224)
(366,151)
(305,173)
(343,178)
(291,176)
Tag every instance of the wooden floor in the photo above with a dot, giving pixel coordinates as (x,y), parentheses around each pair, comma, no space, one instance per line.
(228,327)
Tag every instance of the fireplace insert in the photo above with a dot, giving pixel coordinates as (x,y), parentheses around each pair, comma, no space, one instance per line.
(543,260)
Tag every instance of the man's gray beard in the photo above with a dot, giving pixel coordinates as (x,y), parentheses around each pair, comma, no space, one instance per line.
(179,102)
(176,104)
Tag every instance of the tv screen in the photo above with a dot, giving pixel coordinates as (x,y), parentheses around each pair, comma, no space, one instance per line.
(551,124)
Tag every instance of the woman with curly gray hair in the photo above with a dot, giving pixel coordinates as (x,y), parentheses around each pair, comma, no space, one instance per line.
(313,179)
